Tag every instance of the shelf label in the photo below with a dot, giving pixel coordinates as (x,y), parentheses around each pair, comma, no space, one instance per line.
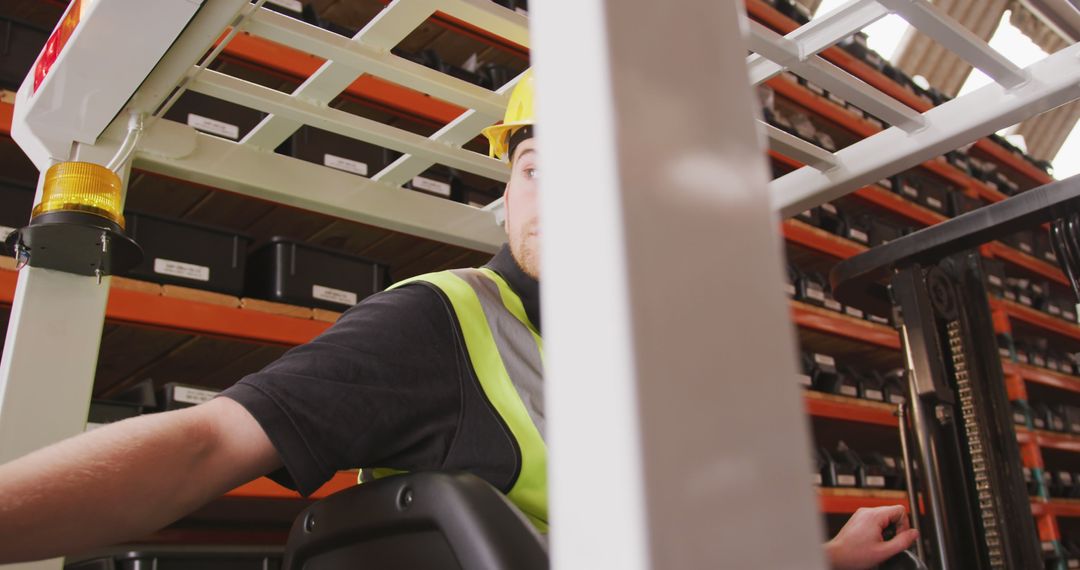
(886,183)
(828,207)
(1075,428)
(896,399)
(181,269)
(346,164)
(192,395)
(833,305)
(817,479)
(853,312)
(933,202)
(5,232)
(430,185)
(1004,353)
(1019,418)
(805,380)
(878,320)
(1021,358)
(845,480)
(995,280)
(1065,477)
(293,5)
(1074,563)
(1039,423)
(889,462)
(875,481)
(789,289)
(1009,295)
(1048,546)
(858,235)
(347,298)
(836,99)
(849,391)
(910,191)
(1053,309)
(824,359)
(872,394)
(1024,299)
(815,293)
(1038,360)
(213,126)
(1050,256)
(1025,247)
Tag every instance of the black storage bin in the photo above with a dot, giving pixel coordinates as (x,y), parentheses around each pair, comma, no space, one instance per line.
(297,273)
(192,255)
(109,411)
(872,386)
(1023,240)
(883,232)
(959,203)
(15,204)
(437,180)
(841,472)
(185,558)
(811,288)
(20,48)
(857,228)
(895,387)
(338,152)
(214,116)
(830,220)
(1043,249)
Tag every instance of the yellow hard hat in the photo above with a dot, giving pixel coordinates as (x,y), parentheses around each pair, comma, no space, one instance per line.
(519,113)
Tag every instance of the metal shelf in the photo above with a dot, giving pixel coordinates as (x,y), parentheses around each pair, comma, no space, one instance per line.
(1035,318)
(1042,376)
(849,409)
(820,240)
(1059,441)
(138,308)
(1033,264)
(827,321)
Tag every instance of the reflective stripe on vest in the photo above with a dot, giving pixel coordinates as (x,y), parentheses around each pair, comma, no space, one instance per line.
(509,366)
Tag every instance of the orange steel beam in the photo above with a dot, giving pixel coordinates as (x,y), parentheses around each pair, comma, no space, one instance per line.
(843,501)
(856,411)
(1033,317)
(268,489)
(1042,376)
(203,318)
(1032,264)
(820,240)
(7,110)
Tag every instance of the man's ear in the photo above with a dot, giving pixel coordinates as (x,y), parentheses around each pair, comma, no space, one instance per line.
(506,208)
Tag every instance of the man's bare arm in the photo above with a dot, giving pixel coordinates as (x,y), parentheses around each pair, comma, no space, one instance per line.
(127,479)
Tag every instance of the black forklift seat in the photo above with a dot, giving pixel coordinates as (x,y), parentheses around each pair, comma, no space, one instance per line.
(417,521)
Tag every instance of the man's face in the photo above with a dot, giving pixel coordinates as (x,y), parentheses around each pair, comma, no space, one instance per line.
(522,209)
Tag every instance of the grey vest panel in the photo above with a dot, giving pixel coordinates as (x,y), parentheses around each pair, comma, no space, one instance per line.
(517,347)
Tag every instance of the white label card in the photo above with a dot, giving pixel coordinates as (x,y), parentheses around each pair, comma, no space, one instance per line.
(815,293)
(1025,299)
(430,185)
(933,202)
(824,360)
(347,298)
(875,481)
(192,395)
(1053,310)
(181,269)
(293,5)
(346,164)
(994,280)
(833,305)
(1019,418)
(896,399)
(872,394)
(828,207)
(853,312)
(910,191)
(886,183)
(817,478)
(213,126)
(890,462)
(1025,248)
(849,391)
(858,235)
(845,480)
(805,380)
(1004,352)
(789,289)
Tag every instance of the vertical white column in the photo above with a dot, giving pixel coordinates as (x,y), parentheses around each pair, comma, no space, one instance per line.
(50,355)
(677,433)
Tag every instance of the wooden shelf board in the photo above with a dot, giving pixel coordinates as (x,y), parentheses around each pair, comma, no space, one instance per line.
(832,322)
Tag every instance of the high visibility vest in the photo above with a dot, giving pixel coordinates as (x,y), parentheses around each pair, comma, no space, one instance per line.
(509,366)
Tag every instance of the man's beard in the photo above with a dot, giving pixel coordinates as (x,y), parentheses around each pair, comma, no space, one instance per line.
(525,248)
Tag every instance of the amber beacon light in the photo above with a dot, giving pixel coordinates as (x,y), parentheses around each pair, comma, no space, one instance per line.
(78,227)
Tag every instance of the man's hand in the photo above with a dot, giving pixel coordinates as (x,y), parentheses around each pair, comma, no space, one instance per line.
(860,546)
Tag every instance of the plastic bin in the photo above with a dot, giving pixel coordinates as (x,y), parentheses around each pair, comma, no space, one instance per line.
(185,558)
(292,272)
(192,255)
(214,116)
(339,152)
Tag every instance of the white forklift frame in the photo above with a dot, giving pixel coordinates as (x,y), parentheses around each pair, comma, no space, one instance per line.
(653,191)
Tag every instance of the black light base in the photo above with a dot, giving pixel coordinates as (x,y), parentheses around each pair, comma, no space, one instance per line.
(76,242)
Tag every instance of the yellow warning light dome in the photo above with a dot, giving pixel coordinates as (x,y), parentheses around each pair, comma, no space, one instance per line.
(519,113)
(82,187)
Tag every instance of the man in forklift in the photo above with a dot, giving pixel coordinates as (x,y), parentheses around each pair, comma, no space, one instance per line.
(413,378)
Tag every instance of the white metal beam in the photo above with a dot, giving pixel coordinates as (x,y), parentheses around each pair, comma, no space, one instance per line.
(396,21)
(254,96)
(491,17)
(649,374)
(793,147)
(938,25)
(786,53)
(949,126)
(177,150)
(828,29)
(460,131)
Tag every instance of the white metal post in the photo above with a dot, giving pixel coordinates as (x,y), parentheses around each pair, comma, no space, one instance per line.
(677,437)
(50,356)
